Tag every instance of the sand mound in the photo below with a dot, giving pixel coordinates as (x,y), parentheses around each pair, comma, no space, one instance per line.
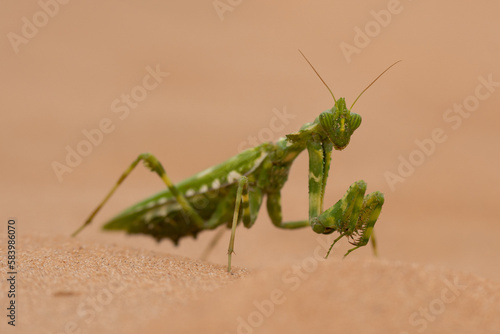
(66,286)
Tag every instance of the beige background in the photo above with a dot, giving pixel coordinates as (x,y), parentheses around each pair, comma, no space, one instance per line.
(225,78)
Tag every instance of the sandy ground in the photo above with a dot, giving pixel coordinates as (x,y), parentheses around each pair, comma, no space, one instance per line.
(74,287)
(429,141)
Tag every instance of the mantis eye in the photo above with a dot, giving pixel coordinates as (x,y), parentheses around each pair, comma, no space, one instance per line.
(355,121)
(326,120)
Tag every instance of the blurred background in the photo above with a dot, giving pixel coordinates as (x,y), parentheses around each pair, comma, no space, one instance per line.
(194,82)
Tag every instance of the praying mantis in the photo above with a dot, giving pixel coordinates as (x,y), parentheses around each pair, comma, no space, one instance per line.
(233,191)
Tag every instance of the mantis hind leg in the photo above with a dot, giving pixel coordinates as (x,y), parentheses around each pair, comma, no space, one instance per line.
(154,165)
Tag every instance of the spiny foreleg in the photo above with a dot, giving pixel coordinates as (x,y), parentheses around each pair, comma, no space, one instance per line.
(354,216)
(372,205)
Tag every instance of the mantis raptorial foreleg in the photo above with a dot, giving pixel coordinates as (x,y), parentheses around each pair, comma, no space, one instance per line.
(319,165)
(353,216)
(154,165)
(274,211)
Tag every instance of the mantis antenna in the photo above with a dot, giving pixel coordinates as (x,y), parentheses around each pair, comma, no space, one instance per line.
(320,77)
(364,90)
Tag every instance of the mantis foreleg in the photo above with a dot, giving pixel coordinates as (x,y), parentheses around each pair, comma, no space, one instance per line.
(319,165)
(353,216)
(274,211)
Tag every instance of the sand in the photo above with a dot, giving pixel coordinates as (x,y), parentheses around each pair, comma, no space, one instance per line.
(110,80)
(67,286)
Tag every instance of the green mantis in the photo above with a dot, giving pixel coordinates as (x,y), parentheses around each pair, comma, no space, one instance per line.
(233,191)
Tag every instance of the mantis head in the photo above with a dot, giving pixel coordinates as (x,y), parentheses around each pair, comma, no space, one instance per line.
(339,123)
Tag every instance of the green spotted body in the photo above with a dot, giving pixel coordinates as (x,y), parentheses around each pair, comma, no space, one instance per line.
(233,191)
(161,216)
